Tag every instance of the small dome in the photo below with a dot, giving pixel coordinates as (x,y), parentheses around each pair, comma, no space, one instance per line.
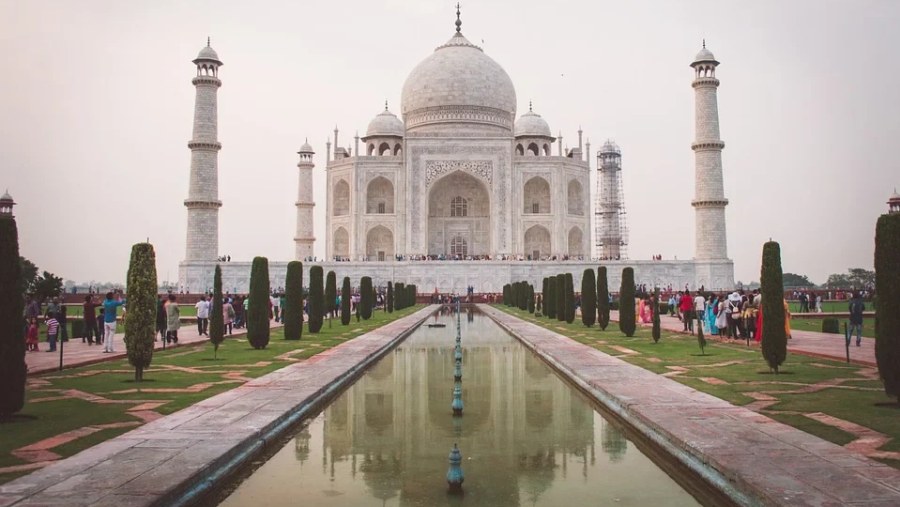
(531,124)
(385,124)
(610,146)
(208,54)
(704,55)
(7,197)
(306,148)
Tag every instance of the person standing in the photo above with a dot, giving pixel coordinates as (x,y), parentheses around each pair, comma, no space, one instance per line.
(110,307)
(31,336)
(275,304)
(857,307)
(202,307)
(90,320)
(52,331)
(700,309)
(173,320)
(32,308)
(161,321)
(228,315)
(686,306)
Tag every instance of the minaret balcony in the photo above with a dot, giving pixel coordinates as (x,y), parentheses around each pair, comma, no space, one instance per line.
(705,81)
(205,145)
(707,145)
(709,203)
(206,80)
(202,203)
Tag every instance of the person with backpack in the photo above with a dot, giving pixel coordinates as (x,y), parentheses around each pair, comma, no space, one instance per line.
(857,307)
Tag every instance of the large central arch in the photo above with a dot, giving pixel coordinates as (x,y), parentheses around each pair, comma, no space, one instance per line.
(459,212)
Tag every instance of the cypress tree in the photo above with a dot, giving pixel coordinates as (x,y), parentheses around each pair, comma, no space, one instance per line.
(399,294)
(627,323)
(411,296)
(656,325)
(316,299)
(887,302)
(390,298)
(550,300)
(774,339)
(602,298)
(140,326)
(258,309)
(12,330)
(293,301)
(330,295)
(542,306)
(523,296)
(345,301)
(365,297)
(588,298)
(530,299)
(561,297)
(507,295)
(570,299)
(216,320)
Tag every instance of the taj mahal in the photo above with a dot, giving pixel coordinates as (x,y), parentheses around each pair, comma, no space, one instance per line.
(460,190)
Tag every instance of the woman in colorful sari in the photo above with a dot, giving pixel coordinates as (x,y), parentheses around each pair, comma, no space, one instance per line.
(712,308)
(722,316)
(647,310)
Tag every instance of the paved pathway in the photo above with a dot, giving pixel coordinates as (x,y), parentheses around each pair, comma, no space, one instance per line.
(76,353)
(758,460)
(809,343)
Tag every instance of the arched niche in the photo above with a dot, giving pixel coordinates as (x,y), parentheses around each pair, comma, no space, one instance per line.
(379,244)
(341,243)
(380,196)
(536,195)
(575,198)
(576,242)
(537,242)
(341,202)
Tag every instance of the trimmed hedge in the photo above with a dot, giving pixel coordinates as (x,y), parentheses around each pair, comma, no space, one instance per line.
(588,298)
(887,303)
(345,301)
(570,298)
(561,297)
(627,322)
(550,300)
(390,297)
(365,297)
(330,294)
(316,299)
(292,313)
(530,298)
(603,305)
(12,331)
(774,339)
(258,308)
(140,326)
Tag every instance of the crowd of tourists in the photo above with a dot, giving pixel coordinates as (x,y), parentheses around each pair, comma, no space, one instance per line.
(448,257)
(99,322)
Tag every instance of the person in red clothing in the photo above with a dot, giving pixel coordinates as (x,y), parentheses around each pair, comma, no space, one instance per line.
(686,305)
(31,336)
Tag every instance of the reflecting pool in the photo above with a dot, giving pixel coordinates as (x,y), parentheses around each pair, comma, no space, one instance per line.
(527,437)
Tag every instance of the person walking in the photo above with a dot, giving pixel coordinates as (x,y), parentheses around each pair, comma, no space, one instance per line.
(857,307)
(89,317)
(110,307)
(173,320)
(202,307)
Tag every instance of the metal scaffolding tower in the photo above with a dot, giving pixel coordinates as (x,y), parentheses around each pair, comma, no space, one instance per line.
(611,227)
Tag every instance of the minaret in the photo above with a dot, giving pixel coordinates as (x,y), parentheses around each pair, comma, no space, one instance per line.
(709,197)
(304,239)
(611,229)
(203,193)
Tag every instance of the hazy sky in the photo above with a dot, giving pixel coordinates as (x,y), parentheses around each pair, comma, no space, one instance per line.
(96,106)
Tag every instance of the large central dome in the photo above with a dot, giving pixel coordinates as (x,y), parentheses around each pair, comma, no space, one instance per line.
(458,83)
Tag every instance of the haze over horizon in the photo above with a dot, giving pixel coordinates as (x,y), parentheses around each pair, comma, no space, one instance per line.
(97,108)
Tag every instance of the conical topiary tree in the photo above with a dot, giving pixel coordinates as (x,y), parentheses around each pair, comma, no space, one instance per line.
(216,321)
(389,303)
(292,312)
(345,301)
(656,325)
(588,298)
(887,302)
(570,298)
(330,295)
(774,339)
(13,370)
(258,309)
(316,299)
(399,295)
(412,292)
(365,297)
(530,299)
(541,306)
(602,298)
(627,323)
(550,300)
(140,326)
(561,297)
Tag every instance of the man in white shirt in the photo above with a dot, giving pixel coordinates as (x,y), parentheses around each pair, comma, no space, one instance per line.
(699,308)
(202,307)
(275,306)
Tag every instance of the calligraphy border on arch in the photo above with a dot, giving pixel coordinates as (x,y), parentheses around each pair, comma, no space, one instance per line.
(434,169)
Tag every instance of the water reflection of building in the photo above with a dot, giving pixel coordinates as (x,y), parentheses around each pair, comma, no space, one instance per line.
(396,423)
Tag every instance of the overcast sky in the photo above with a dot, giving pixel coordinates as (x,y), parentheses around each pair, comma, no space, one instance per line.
(96,105)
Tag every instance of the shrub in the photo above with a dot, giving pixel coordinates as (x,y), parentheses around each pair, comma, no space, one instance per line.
(887,304)
(12,331)
(316,299)
(216,320)
(831,325)
(389,304)
(627,323)
(258,309)
(603,305)
(399,296)
(292,313)
(561,297)
(657,308)
(411,295)
(140,326)
(550,300)
(330,295)
(365,297)
(588,298)
(345,300)
(570,298)
(530,298)
(774,339)
(543,297)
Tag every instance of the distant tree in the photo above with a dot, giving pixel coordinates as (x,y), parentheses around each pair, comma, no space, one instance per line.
(774,339)
(293,301)
(570,298)
(838,281)
(861,278)
(796,281)
(550,300)
(330,295)
(12,333)
(656,325)
(627,322)
(887,303)
(345,300)
(316,299)
(216,319)
(258,308)
(390,297)
(531,299)
(365,297)
(29,276)
(588,298)
(561,297)
(140,326)
(47,285)
(602,298)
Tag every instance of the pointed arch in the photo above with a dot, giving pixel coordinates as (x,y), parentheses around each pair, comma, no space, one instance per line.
(536,195)
(537,242)
(520,150)
(384,149)
(379,243)
(341,202)
(575,197)
(576,242)
(380,196)
(341,243)
(398,150)
(533,149)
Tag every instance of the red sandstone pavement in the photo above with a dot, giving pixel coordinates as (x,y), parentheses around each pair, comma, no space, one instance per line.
(76,353)
(808,343)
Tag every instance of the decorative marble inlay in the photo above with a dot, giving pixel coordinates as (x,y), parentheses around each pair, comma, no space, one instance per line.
(434,169)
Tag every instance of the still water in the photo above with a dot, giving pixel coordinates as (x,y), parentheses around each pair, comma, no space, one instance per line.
(527,437)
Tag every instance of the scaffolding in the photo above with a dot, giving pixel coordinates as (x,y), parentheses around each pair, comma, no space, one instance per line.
(611,228)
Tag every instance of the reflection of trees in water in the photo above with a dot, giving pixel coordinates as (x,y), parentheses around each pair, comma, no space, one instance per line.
(382,475)
(613,442)
(301,445)
(536,473)
(379,412)
(539,408)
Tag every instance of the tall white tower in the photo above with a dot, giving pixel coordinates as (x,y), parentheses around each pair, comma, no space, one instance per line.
(304,239)
(203,193)
(709,197)
(611,229)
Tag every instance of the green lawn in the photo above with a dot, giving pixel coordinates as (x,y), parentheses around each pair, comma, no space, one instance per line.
(831,306)
(816,325)
(865,404)
(43,419)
